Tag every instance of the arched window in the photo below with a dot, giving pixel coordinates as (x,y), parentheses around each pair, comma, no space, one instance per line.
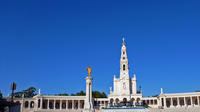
(124,67)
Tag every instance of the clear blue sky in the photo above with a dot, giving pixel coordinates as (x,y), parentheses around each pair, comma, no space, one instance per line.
(49,44)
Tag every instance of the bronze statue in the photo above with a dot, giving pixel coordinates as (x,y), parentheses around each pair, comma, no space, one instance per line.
(89,69)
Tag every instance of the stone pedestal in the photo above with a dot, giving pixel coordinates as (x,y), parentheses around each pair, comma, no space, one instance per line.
(88,106)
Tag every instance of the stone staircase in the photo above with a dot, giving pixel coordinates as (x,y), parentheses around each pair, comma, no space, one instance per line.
(179,109)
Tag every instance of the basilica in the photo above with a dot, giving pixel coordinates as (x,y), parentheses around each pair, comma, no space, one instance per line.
(125,88)
(123,94)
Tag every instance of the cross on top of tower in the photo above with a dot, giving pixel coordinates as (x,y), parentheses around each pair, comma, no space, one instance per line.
(123,39)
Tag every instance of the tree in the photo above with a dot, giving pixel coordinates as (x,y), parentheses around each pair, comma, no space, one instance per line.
(97,94)
(28,93)
(18,94)
(73,94)
(81,93)
(104,95)
(155,95)
(63,94)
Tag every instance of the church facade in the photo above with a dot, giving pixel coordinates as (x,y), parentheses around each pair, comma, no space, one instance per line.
(123,93)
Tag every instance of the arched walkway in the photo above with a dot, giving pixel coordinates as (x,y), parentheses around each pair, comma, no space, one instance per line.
(124,101)
(32,104)
(26,104)
(132,101)
(138,101)
(117,101)
(111,102)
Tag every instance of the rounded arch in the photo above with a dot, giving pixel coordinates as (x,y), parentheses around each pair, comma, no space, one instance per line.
(138,99)
(26,104)
(32,104)
(132,101)
(124,67)
(124,100)
(39,103)
(111,100)
(117,100)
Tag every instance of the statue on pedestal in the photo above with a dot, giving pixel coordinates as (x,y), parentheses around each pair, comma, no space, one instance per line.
(88,106)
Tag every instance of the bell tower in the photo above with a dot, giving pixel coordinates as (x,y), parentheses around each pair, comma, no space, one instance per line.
(124,70)
(124,86)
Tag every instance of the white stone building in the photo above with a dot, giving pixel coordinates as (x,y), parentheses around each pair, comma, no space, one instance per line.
(124,91)
(125,88)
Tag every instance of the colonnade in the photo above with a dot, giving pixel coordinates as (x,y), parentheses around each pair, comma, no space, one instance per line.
(100,103)
(167,102)
(125,102)
(150,102)
(54,104)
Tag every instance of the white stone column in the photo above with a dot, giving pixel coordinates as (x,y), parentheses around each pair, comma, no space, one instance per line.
(185,103)
(171,103)
(159,102)
(88,106)
(191,101)
(164,99)
(22,104)
(197,100)
(178,102)
(66,104)
(78,104)
(54,104)
(72,104)
(47,103)
(29,103)
(60,104)
(41,102)
(36,104)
